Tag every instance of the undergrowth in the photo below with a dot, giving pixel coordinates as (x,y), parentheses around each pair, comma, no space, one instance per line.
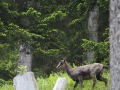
(48,83)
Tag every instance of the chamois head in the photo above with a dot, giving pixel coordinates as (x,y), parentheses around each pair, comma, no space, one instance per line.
(61,64)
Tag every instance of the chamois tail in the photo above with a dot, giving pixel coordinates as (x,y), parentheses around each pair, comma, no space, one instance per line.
(105,66)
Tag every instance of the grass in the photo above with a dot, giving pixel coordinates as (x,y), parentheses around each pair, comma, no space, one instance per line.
(7,87)
(48,83)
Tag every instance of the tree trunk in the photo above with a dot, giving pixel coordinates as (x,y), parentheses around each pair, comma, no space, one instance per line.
(93,29)
(114,44)
(60,84)
(25,57)
(25,82)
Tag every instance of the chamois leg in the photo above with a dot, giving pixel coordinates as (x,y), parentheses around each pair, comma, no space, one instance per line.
(94,80)
(80,81)
(100,78)
(75,85)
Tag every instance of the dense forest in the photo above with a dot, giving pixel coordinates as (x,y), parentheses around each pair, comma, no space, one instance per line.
(52,30)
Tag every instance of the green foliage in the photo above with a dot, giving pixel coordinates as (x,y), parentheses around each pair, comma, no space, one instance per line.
(2,82)
(57,15)
(104,4)
(101,48)
(22,69)
(53,29)
(5,85)
(8,65)
(45,83)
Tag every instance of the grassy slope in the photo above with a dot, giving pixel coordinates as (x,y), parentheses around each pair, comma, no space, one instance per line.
(48,83)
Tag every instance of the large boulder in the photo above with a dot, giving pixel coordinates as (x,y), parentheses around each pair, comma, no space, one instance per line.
(60,84)
(25,81)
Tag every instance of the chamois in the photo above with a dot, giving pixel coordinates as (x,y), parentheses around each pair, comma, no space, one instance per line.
(85,72)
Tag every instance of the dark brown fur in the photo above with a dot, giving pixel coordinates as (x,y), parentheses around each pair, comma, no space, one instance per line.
(85,72)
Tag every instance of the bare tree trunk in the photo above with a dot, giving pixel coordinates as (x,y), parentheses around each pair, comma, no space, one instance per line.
(25,81)
(25,57)
(114,44)
(93,28)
